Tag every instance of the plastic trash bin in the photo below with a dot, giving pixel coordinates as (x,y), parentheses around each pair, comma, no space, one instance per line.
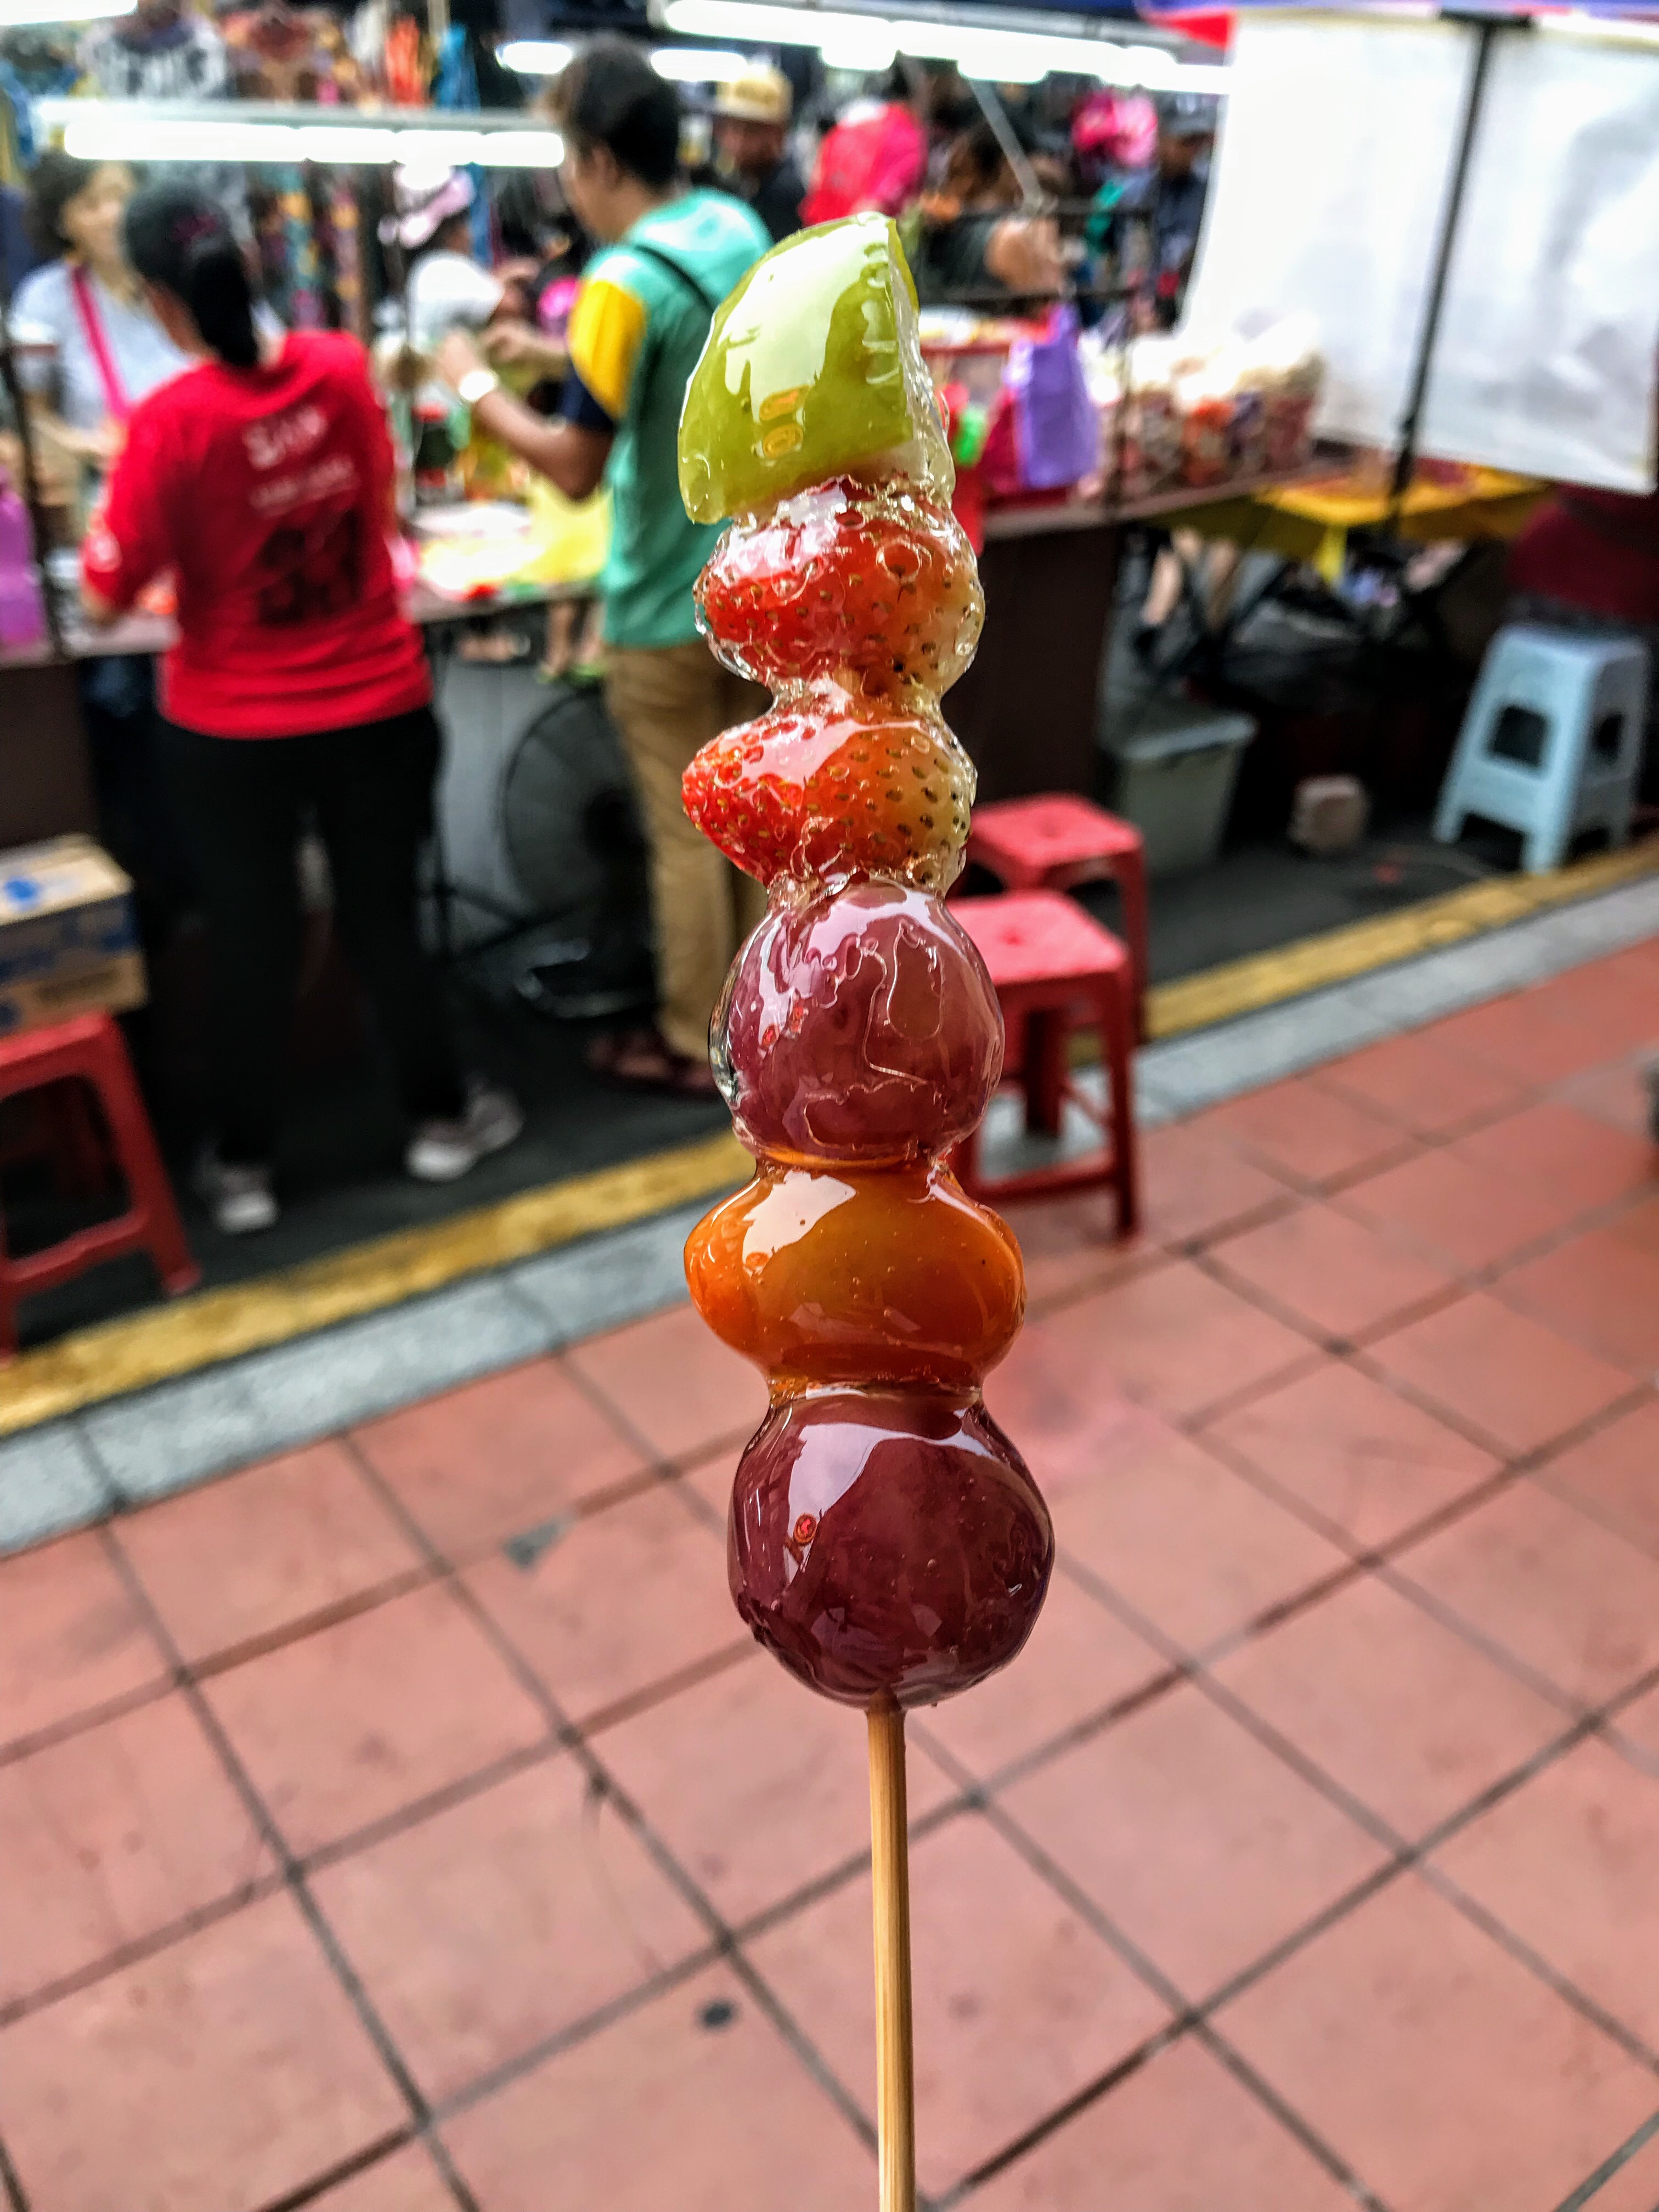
(1174,765)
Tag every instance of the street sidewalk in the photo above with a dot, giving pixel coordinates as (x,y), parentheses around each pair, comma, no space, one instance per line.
(406,1823)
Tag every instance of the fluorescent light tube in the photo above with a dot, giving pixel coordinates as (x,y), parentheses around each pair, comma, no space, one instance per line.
(697,64)
(535,57)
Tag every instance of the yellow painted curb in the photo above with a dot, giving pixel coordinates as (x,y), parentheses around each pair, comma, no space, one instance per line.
(169,1340)
(1244,987)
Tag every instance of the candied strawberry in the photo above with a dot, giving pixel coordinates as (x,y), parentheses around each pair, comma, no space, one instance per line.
(849,576)
(821,792)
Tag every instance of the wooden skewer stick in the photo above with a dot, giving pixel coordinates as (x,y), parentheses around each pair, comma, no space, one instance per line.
(895,2098)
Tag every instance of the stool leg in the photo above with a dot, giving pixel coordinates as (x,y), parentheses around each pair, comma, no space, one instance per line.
(150,1191)
(1131,871)
(1117,1049)
(1048,1035)
(1479,722)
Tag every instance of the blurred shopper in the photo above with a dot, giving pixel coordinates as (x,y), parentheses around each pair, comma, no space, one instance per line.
(752,147)
(19,254)
(638,326)
(874,156)
(443,283)
(1180,186)
(975,242)
(112,351)
(262,478)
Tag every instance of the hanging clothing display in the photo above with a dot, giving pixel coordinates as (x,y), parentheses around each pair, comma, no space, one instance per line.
(176,56)
(17,141)
(407,64)
(180,56)
(290,54)
(300,55)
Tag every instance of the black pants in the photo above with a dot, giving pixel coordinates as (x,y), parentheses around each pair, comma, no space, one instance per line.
(242,802)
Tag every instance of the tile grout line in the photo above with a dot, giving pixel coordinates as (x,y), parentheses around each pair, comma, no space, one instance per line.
(429,1807)
(503,2075)
(335,1615)
(1382,1559)
(1414,1858)
(79,1723)
(346,2170)
(1591,1508)
(337,1848)
(1463,1282)
(602,1783)
(1051,2122)
(1187,2018)
(1195,2014)
(1406,1855)
(294,1877)
(1579,952)
(1197,1248)
(669,1471)
(1078,1293)
(148,1946)
(1068,1739)
(746,1932)
(1581,2199)
(225,1659)
(11,2182)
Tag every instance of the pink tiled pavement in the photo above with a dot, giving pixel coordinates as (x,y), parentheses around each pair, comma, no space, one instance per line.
(406,1823)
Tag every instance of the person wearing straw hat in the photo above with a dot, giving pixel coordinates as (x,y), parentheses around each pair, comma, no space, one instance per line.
(751,134)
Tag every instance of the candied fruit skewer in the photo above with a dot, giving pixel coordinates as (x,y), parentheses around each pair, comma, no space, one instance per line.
(885,1542)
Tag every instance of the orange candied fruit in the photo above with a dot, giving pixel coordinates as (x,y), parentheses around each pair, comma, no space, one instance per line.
(869,1276)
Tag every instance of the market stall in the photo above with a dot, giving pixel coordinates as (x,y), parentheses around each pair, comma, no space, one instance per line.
(45,785)
(1083,439)
(1029,709)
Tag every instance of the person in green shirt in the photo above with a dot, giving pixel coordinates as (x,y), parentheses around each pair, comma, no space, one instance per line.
(670,256)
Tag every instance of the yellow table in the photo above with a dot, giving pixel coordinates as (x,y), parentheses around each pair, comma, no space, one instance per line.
(1309,522)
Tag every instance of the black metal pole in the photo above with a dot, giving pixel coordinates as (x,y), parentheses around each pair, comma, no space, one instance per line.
(991,107)
(1486,33)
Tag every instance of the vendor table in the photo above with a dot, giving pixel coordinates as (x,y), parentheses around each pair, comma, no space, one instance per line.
(46,782)
(1309,526)
(1311,522)
(1028,710)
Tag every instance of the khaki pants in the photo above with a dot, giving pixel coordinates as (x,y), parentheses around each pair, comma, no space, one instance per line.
(667,702)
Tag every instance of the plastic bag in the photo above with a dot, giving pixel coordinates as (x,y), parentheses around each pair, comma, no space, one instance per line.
(1056,425)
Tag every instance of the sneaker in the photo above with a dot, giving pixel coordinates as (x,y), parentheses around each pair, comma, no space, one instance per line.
(440,1152)
(241,1199)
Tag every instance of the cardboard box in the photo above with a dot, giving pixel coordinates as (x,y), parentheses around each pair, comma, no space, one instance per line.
(69,937)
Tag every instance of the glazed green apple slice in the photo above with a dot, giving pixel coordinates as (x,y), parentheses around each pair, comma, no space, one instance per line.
(812,369)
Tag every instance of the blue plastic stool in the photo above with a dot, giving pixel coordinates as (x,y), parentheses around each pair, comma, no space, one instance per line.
(1552,742)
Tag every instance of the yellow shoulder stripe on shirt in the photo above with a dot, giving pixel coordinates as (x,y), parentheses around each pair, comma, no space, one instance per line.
(607,326)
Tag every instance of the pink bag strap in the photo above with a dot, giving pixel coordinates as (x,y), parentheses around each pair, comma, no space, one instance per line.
(92,325)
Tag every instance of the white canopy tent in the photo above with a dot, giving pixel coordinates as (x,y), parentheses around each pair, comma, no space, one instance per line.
(1334,177)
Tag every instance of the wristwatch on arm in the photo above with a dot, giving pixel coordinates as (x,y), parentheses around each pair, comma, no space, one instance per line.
(477,384)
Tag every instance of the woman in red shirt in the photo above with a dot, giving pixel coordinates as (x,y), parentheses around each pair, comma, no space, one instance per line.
(262,478)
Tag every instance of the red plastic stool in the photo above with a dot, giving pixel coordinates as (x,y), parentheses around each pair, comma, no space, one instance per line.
(91,1047)
(1056,969)
(1056,842)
